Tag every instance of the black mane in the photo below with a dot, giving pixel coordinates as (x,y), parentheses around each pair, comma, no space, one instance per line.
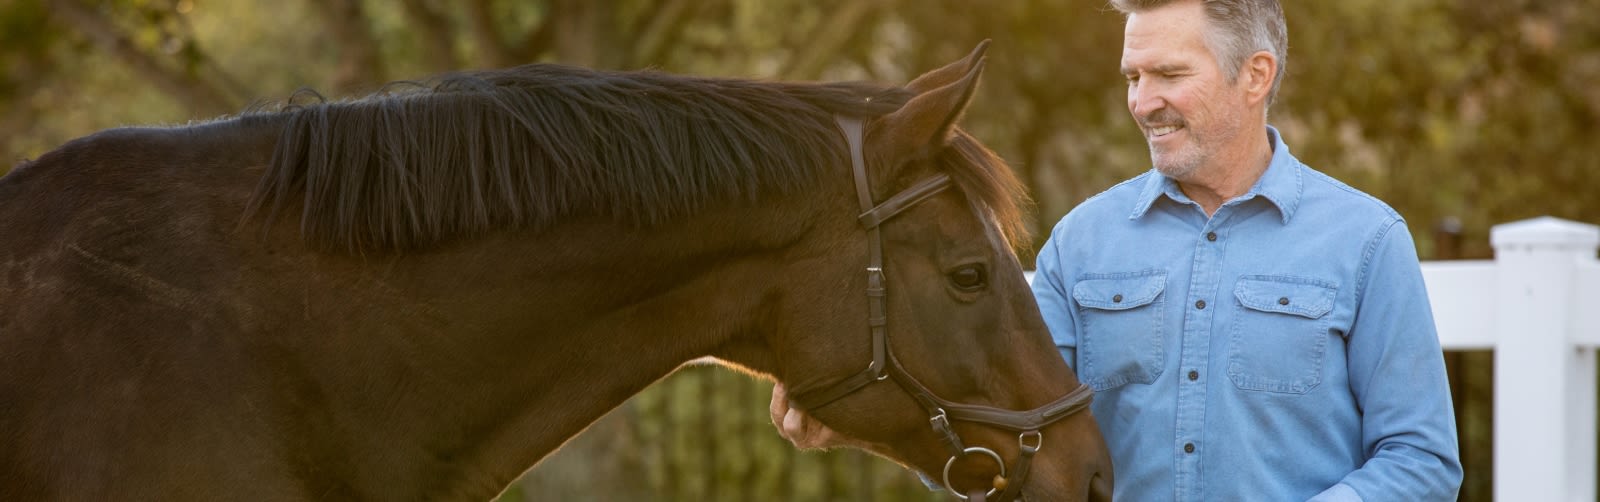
(525,147)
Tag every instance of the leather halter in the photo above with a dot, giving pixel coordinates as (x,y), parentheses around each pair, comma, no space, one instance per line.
(884,364)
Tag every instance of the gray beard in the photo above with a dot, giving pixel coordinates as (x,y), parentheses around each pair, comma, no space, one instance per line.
(1178,171)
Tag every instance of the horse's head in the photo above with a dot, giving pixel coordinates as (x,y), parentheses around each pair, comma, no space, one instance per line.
(961,363)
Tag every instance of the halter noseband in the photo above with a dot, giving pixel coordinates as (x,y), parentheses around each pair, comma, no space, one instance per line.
(884,364)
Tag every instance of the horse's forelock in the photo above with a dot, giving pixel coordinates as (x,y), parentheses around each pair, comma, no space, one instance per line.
(986,178)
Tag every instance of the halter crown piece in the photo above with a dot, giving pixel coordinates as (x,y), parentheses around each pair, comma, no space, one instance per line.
(885,366)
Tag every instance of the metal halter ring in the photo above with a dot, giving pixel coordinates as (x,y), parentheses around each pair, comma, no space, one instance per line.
(975,449)
(1038,440)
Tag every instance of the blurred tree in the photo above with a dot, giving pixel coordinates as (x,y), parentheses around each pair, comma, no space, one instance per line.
(1426,103)
(154,40)
(344,47)
(1481,111)
(1052,99)
(27,40)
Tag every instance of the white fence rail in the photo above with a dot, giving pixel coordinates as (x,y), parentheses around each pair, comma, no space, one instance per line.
(1537,305)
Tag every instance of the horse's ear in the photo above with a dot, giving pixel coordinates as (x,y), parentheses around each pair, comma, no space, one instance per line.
(926,121)
(943,76)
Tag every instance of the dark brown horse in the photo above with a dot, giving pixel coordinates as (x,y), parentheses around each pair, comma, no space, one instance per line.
(419,294)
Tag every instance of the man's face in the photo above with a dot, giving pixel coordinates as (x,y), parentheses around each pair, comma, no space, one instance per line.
(1186,107)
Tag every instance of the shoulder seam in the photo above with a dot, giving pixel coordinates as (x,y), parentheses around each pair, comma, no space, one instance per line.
(1335,183)
(1367,252)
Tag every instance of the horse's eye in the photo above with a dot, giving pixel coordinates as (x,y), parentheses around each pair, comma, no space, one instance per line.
(969,278)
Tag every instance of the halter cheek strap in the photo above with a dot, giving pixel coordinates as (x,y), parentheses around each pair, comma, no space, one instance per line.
(884,365)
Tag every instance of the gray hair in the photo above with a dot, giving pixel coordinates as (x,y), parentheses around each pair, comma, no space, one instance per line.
(1239,28)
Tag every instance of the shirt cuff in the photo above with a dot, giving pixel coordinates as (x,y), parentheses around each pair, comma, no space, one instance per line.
(1337,493)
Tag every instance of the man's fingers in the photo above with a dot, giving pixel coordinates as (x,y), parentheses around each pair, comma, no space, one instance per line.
(795,426)
(803,431)
(791,423)
(779,406)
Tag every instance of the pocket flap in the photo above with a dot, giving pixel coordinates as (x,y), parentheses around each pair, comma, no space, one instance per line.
(1120,293)
(1309,298)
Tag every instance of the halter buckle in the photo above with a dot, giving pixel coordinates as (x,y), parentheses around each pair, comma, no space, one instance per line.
(877,369)
(875,281)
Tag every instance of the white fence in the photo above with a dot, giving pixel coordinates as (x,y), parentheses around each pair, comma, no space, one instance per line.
(1537,304)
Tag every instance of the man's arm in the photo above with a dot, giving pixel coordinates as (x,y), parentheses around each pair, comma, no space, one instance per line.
(1397,375)
(1055,302)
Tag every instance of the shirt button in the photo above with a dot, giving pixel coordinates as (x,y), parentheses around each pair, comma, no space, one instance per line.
(1194,375)
(1116,299)
(1200,304)
(1188,447)
(1283,301)
(1211,236)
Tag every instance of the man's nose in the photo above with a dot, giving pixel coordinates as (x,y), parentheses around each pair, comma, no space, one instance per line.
(1145,98)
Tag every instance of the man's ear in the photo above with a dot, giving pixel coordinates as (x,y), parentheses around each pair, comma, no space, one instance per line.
(1260,71)
(927,120)
(943,76)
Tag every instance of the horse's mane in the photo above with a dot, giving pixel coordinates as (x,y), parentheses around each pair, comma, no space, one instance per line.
(468,153)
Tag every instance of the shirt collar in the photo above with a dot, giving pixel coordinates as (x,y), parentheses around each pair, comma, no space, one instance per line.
(1280,184)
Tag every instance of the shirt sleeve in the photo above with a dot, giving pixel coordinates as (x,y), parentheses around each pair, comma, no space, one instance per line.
(1055,302)
(1398,378)
(1337,493)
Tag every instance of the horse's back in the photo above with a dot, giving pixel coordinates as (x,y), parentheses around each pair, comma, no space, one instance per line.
(117,355)
(106,225)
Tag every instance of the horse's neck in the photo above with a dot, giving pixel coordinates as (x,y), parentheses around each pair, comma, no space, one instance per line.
(525,341)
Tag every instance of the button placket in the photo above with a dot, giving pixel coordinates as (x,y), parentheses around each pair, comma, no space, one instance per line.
(1190,412)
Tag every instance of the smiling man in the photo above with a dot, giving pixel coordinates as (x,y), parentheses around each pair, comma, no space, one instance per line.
(1253,329)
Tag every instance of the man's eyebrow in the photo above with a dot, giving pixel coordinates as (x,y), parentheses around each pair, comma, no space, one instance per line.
(1161,68)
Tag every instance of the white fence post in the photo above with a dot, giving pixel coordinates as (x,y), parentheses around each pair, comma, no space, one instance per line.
(1544,425)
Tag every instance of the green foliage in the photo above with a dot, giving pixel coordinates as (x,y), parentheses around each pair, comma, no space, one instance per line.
(1480,111)
(23,30)
(1450,110)
(704,434)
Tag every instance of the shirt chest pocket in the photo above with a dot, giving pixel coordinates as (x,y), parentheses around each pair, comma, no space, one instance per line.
(1120,340)
(1280,333)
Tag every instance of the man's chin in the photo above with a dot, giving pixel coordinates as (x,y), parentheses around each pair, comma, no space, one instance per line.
(1173,168)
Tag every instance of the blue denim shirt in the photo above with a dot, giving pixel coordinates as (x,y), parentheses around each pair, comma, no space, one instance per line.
(1282,349)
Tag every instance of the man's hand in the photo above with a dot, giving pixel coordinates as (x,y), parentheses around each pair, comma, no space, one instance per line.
(799,428)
